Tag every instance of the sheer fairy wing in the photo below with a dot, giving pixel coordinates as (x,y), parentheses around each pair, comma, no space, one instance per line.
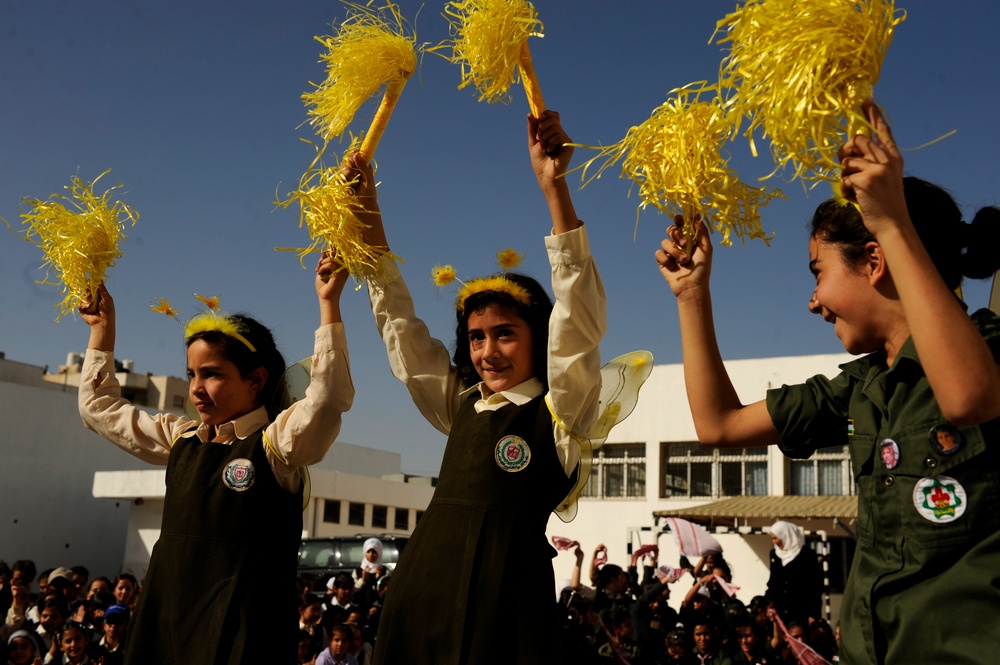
(621,379)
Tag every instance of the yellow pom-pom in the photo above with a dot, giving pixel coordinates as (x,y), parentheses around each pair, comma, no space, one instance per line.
(443,275)
(489,37)
(211,303)
(164,308)
(508,258)
(800,72)
(78,244)
(677,160)
(368,50)
(327,208)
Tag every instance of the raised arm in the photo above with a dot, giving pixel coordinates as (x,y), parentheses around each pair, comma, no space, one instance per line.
(550,157)
(420,361)
(959,365)
(720,418)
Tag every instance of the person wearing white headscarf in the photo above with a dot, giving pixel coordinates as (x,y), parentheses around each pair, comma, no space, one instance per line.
(796,582)
(372,558)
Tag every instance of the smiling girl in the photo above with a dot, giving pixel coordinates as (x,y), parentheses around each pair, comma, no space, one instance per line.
(474,584)
(220,587)
(923,578)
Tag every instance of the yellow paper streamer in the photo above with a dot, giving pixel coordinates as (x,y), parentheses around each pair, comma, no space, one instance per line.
(327,208)
(799,72)
(79,242)
(491,45)
(676,159)
(369,49)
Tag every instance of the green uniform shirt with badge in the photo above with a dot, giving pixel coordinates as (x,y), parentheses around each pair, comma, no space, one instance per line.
(925,580)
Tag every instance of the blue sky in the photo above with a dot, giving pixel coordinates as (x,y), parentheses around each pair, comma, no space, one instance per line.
(196,107)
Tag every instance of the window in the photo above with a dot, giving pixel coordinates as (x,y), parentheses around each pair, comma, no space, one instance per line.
(380,517)
(618,472)
(694,470)
(402,519)
(356,514)
(331,511)
(826,473)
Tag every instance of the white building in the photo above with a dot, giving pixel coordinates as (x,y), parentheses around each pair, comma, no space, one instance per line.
(653,463)
(70,498)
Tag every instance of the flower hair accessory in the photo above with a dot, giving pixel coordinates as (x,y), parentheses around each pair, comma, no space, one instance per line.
(210,320)
(506,259)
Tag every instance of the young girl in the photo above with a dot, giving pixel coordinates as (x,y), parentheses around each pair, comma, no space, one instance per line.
(126,588)
(475,582)
(929,532)
(220,587)
(71,649)
(338,652)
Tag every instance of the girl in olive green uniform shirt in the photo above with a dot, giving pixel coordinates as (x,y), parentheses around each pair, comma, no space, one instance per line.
(919,411)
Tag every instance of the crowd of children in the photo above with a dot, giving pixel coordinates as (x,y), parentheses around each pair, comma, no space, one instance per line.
(77,620)
(624,618)
(71,620)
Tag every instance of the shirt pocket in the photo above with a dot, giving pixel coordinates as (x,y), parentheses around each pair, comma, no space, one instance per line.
(973,466)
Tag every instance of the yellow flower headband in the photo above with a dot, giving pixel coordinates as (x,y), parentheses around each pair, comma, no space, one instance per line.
(208,321)
(506,259)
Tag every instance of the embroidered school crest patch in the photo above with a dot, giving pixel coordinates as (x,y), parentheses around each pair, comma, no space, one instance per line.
(939,500)
(512,453)
(238,474)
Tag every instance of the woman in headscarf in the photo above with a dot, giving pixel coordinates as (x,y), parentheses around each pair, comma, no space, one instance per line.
(796,582)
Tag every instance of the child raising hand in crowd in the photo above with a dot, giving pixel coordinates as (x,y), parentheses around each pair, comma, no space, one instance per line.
(221,580)
(886,266)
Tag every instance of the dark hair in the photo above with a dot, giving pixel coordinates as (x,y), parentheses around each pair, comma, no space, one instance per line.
(343,581)
(274,394)
(74,625)
(957,249)
(607,573)
(128,577)
(344,629)
(309,599)
(26,566)
(58,603)
(536,314)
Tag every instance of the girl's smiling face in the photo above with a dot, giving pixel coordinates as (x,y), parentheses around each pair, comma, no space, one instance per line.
(73,642)
(124,591)
(501,347)
(216,387)
(843,297)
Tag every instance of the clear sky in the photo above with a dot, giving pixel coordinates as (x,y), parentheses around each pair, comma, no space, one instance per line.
(196,107)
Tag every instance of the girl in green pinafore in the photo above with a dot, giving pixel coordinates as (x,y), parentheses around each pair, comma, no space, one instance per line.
(475,582)
(220,587)
(924,584)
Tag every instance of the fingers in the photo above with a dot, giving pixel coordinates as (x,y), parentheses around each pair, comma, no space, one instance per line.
(547,130)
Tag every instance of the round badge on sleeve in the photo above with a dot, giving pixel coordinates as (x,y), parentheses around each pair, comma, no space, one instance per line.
(512,453)
(238,474)
(940,500)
